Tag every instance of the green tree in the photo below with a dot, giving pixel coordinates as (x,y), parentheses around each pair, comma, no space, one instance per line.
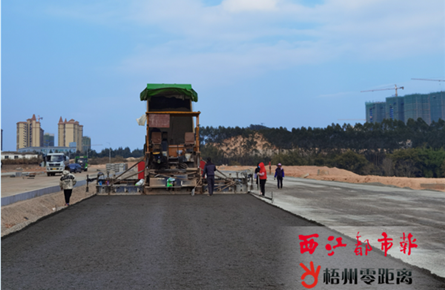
(442,169)
(405,162)
(431,161)
(293,157)
(350,161)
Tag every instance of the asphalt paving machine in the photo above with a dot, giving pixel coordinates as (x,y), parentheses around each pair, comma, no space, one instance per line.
(172,160)
(172,155)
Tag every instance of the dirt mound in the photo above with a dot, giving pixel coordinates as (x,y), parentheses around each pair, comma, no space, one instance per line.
(411,182)
(132,159)
(234,168)
(22,167)
(313,171)
(336,174)
(98,166)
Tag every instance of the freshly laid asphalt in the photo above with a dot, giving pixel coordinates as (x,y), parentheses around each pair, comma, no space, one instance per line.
(183,242)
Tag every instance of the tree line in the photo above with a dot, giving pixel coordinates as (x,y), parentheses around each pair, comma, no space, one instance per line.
(119,152)
(388,148)
(387,135)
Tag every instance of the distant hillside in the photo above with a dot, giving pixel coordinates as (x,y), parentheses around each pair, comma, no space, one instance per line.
(388,135)
(370,148)
(253,144)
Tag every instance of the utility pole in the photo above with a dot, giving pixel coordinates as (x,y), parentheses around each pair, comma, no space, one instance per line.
(93,145)
(109,151)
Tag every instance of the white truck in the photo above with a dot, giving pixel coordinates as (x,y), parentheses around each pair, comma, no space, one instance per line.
(55,163)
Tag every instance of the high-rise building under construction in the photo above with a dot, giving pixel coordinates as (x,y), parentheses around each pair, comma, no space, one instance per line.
(29,133)
(375,112)
(48,140)
(429,107)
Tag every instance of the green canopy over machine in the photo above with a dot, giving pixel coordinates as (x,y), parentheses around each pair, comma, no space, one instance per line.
(153,90)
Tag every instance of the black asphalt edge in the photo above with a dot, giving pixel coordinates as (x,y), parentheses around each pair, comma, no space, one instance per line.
(379,252)
(45,217)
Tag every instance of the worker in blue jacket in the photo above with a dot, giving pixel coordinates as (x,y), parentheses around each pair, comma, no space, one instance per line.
(279,175)
(209,170)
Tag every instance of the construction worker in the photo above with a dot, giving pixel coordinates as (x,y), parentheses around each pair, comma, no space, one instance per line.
(67,182)
(210,169)
(279,175)
(263,178)
(257,169)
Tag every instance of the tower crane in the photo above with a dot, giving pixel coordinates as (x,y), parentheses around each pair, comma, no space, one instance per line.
(395,87)
(433,80)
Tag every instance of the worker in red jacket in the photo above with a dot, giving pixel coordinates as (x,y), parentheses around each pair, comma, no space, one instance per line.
(263,177)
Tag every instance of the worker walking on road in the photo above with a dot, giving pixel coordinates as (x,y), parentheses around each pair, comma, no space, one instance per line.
(257,169)
(263,178)
(67,182)
(210,169)
(279,175)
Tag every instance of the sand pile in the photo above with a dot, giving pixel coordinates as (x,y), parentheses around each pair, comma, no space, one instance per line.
(22,167)
(336,174)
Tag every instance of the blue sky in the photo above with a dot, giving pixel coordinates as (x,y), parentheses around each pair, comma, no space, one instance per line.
(280,63)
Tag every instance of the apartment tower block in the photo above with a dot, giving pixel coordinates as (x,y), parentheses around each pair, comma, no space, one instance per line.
(70,131)
(29,133)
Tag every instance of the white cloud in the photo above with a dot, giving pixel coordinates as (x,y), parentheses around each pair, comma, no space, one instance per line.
(249,5)
(247,61)
(244,37)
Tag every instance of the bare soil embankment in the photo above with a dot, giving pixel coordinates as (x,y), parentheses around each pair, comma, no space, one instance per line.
(20,214)
(22,167)
(336,174)
(23,213)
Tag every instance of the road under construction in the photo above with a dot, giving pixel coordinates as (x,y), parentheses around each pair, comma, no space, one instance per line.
(166,234)
(228,241)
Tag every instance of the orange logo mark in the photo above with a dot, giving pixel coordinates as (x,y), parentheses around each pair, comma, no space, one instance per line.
(312,273)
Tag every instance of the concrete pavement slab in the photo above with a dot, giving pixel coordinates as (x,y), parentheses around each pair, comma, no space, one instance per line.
(372,210)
